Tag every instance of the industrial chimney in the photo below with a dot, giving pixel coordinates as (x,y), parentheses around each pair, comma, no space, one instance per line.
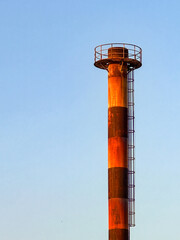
(120,60)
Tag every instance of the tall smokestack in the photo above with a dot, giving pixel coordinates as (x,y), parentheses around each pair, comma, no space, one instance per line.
(120,60)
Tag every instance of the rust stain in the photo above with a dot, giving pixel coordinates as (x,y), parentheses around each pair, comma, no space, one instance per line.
(117,122)
(117,86)
(117,152)
(118,213)
(118,182)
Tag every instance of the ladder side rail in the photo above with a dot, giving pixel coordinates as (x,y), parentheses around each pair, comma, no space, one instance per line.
(131,156)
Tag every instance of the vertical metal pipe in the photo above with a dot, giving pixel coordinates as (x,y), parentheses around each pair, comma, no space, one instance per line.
(117,148)
(120,59)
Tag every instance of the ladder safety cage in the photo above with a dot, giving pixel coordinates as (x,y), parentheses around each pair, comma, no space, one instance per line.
(131,151)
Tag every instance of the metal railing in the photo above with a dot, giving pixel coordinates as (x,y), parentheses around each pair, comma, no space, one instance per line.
(134,52)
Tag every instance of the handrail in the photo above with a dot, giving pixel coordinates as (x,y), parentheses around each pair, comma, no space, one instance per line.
(131,54)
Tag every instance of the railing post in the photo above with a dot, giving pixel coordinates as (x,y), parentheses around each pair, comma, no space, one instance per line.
(101,51)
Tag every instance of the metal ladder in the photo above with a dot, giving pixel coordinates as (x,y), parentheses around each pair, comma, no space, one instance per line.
(131,151)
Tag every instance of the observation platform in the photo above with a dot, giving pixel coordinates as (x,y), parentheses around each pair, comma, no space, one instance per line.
(129,54)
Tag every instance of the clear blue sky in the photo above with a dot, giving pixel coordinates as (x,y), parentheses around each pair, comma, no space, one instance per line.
(53,117)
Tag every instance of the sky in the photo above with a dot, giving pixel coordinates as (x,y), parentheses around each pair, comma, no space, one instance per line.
(53,117)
